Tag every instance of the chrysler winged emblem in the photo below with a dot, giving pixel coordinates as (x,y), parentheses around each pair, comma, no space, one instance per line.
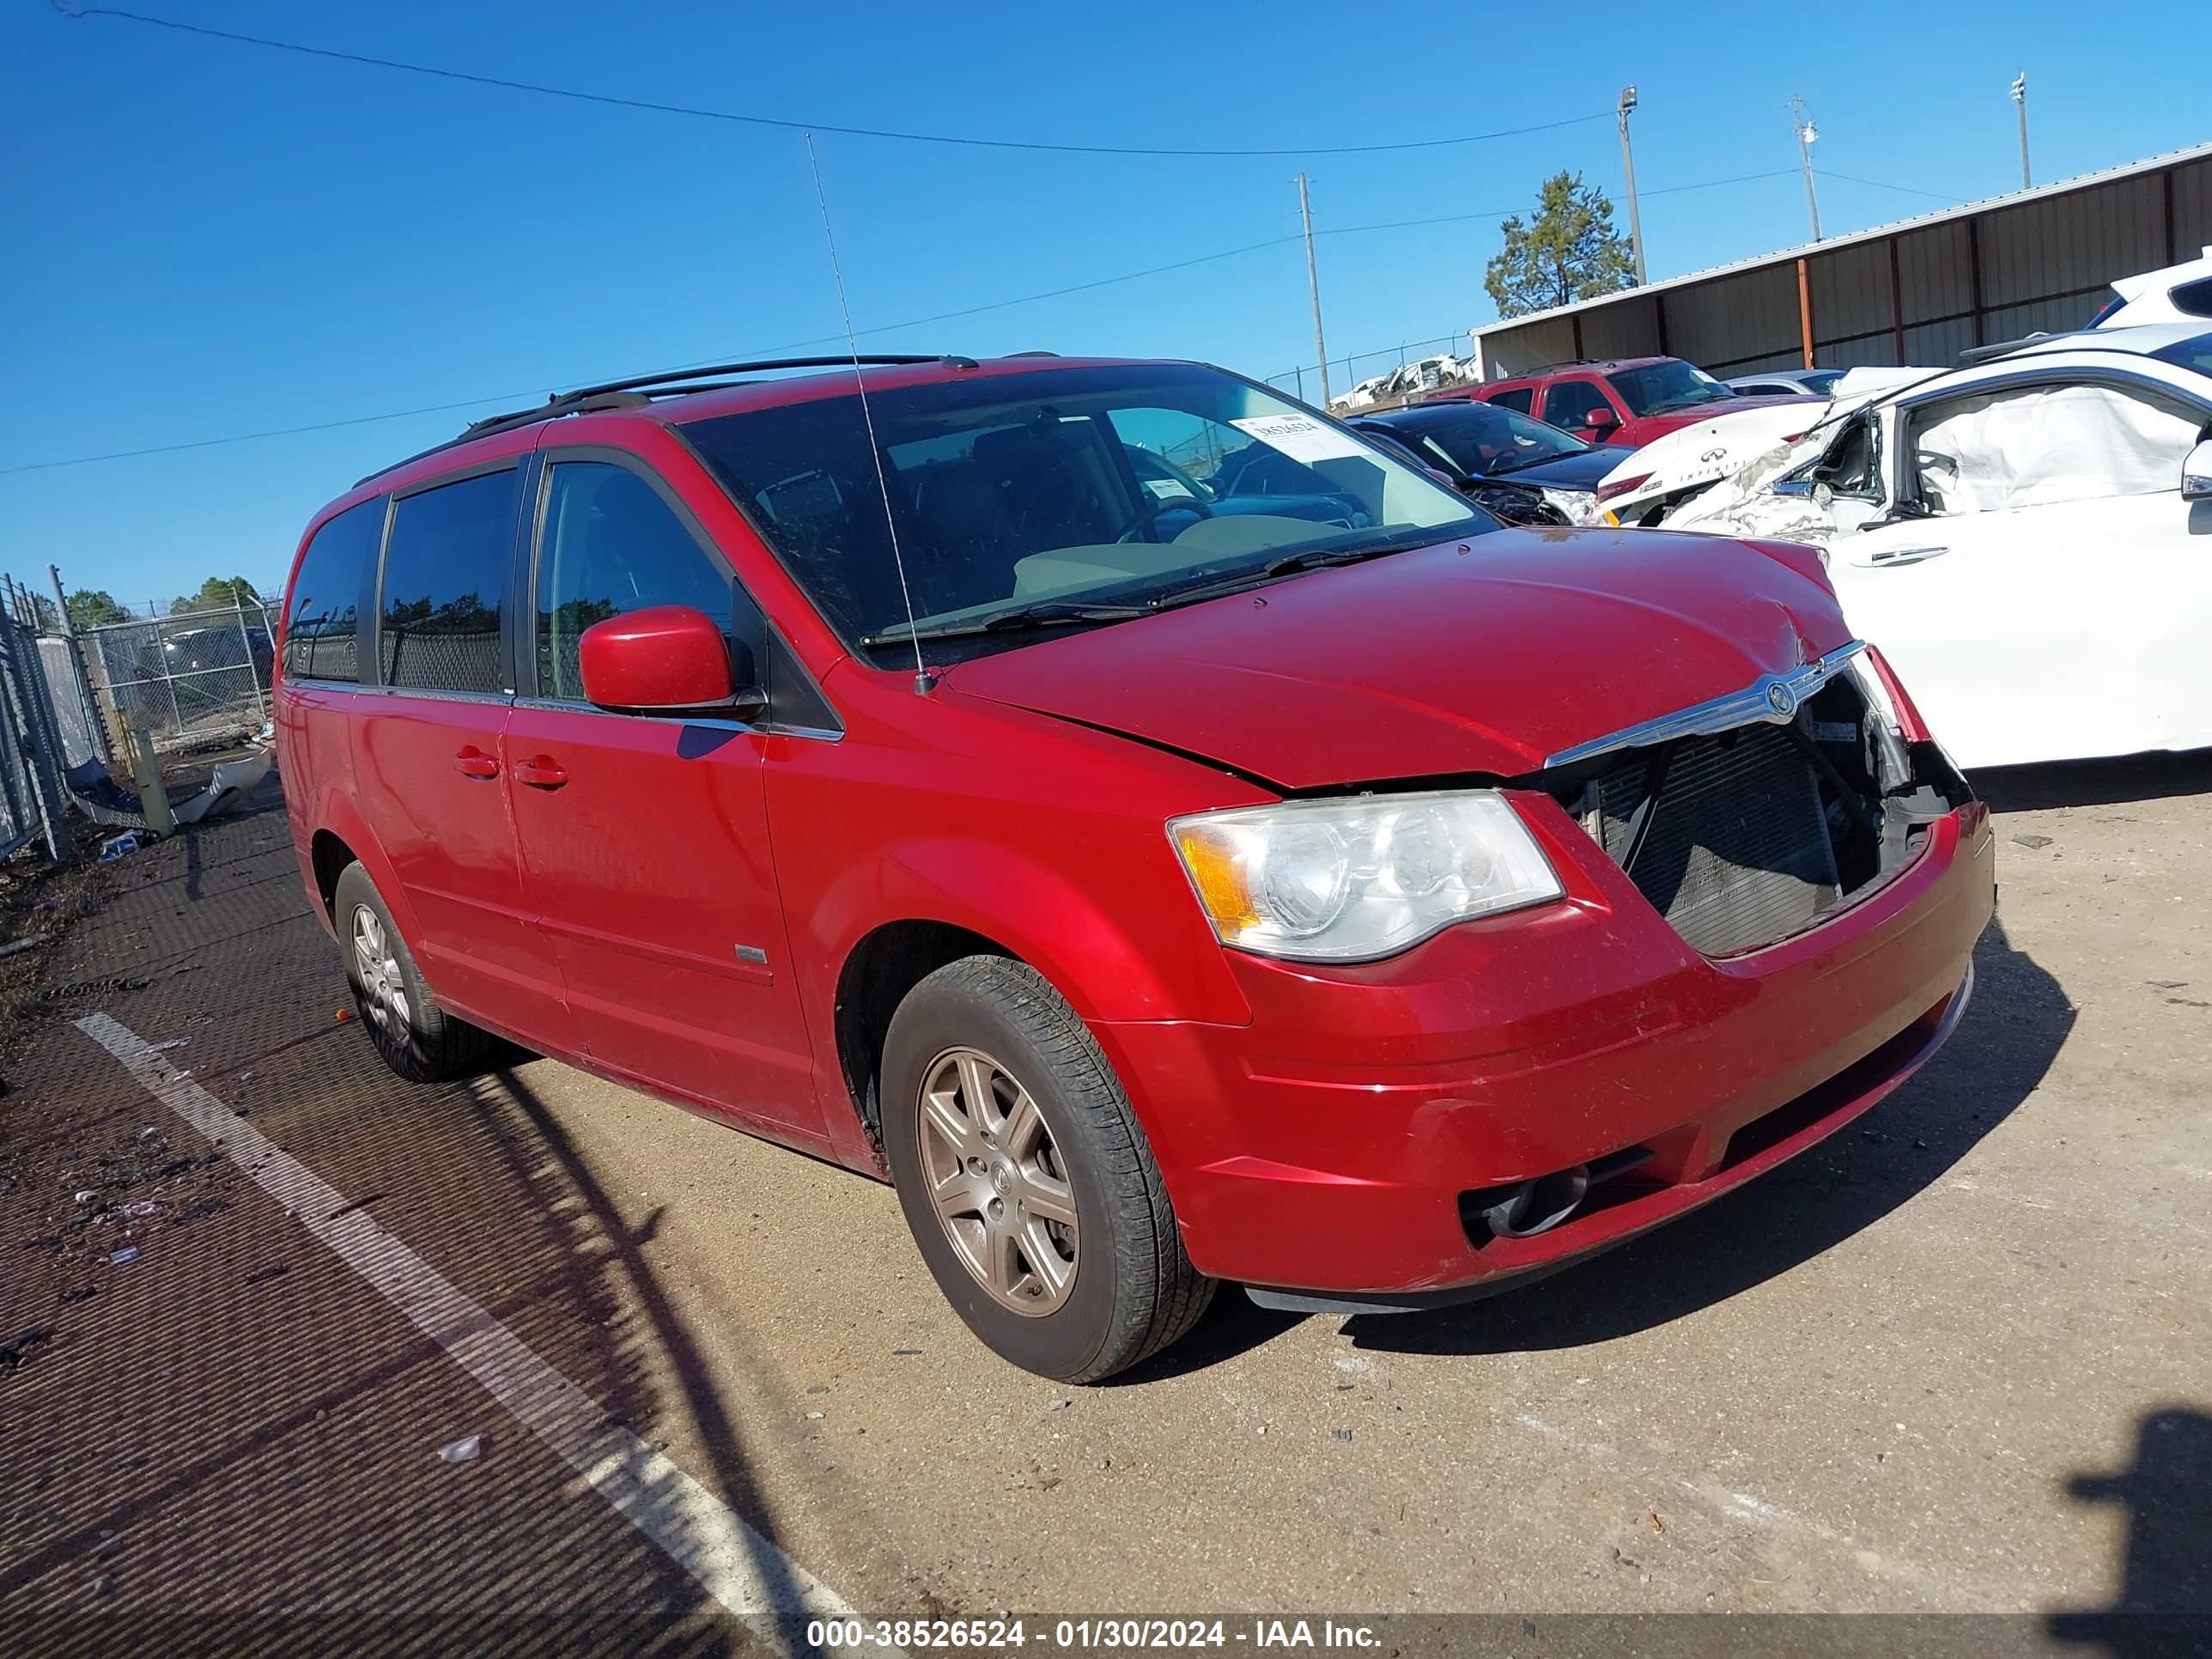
(1781,699)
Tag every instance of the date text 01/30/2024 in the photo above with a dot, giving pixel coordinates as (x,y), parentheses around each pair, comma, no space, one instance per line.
(1084,1635)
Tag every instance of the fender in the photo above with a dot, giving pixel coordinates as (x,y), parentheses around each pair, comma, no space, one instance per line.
(335,812)
(1059,928)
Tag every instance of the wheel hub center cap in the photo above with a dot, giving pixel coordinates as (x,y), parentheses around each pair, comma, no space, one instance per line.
(1002,1178)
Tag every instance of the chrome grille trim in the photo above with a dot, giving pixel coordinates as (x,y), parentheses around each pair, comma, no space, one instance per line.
(1772,698)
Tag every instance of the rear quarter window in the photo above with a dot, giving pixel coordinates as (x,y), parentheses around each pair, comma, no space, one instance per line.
(322,627)
(445,581)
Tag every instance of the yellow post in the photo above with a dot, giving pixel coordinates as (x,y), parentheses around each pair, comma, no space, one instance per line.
(153,796)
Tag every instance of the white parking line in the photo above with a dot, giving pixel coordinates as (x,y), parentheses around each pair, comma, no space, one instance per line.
(744,1571)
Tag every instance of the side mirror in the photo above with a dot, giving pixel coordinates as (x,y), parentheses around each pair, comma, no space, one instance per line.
(668,660)
(1600,419)
(2197,474)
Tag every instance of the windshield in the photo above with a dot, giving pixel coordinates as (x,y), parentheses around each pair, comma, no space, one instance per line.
(1104,489)
(1819,381)
(1482,438)
(1655,388)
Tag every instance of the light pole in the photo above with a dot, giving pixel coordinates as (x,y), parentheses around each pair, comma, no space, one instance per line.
(1313,284)
(2020,97)
(1628,173)
(1807,133)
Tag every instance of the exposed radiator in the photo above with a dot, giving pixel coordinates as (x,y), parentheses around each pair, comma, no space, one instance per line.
(1738,849)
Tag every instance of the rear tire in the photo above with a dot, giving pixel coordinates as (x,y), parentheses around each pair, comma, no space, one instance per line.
(418,1039)
(1026,1178)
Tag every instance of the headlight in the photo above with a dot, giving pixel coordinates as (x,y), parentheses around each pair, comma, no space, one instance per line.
(1352,880)
(1579,505)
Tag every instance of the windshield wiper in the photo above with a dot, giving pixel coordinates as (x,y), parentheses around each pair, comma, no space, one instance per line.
(1044,613)
(1289,565)
(1055,613)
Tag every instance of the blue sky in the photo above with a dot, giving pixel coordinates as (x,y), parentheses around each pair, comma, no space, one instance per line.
(210,239)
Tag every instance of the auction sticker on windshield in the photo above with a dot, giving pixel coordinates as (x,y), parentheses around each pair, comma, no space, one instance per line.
(1300,437)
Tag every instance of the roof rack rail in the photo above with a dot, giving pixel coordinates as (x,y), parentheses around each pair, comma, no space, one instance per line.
(641,389)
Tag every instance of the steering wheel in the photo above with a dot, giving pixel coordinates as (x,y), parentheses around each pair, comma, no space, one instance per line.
(1145,524)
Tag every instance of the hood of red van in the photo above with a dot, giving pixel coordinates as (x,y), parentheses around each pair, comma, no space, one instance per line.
(1436,661)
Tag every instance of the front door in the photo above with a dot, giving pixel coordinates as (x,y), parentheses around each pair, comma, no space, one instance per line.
(2049,598)
(645,840)
(426,754)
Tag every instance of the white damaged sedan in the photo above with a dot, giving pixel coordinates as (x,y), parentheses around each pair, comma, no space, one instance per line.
(2029,538)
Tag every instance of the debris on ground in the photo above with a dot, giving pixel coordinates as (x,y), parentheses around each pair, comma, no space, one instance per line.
(1339,1434)
(14,1353)
(118,847)
(2032,842)
(227,787)
(464,1451)
(128,1253)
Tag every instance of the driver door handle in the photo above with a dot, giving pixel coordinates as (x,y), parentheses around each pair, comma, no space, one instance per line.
(1905,555)
(540,772)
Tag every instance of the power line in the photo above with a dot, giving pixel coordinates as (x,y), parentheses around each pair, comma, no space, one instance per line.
(578,96)
(787,345)
(1500,213)
(832,339)
(1932,195)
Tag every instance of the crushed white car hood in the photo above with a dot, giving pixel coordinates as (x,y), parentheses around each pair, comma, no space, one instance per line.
(1732,456)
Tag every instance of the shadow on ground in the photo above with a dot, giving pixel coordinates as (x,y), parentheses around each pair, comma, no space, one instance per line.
(220,1438)
(2163,1607)
(2096,783)
(2006,1041)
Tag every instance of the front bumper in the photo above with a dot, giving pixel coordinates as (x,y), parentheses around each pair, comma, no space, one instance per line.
(1325,1147)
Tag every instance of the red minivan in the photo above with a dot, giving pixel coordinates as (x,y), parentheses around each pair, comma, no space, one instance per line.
(1310,884)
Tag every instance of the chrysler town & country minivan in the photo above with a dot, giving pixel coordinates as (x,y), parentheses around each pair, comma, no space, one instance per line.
(1325,890)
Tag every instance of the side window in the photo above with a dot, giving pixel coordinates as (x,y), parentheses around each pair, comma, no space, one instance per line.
(1566,402)
(322,626)
(1850,465)
(2036,445)
(445,575)
(1518,399)
(611,545)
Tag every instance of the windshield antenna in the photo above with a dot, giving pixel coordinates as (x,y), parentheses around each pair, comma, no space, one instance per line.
(921,681)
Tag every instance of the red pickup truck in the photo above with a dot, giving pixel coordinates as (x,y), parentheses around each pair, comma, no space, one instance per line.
(1625,402)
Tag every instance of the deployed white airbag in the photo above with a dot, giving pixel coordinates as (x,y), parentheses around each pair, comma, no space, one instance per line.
(2071,443)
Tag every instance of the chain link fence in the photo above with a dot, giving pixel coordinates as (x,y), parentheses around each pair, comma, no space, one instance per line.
(193,677)
(1375,371)
(33,801)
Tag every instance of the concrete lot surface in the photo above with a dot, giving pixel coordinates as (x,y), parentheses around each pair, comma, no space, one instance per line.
(1957,1359)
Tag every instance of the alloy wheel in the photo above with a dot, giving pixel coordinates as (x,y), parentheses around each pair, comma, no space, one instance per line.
(383,987)
(995,1181)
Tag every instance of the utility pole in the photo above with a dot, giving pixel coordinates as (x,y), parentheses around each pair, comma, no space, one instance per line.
(1807,133)
(1313,282)
(2020,97)
(1628,171)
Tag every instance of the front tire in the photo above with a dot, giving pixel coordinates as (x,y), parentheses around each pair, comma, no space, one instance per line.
(1026,1179)
(418,1039)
